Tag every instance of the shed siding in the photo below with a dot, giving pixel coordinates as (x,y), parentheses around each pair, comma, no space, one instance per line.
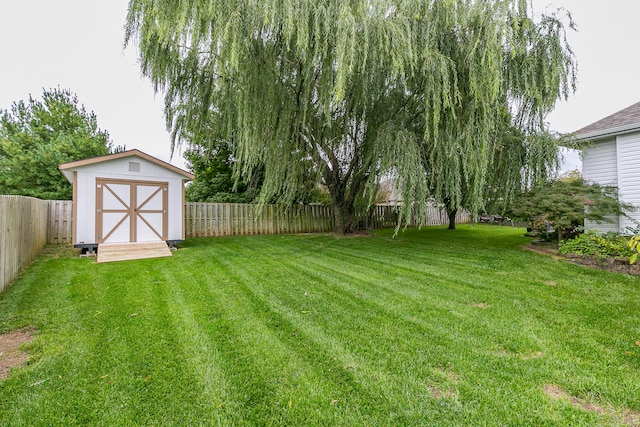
(629,177)
(86,208)
(600,165)
(119,169)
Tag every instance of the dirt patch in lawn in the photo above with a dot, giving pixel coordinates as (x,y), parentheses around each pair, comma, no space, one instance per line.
(441,394)
(624,416)
(444,387)
(532,355)
(448,374)
(11,356)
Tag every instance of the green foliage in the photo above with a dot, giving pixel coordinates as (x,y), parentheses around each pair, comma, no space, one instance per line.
(214,182)
(520,160)
(597,245)
(565,203)
(37,136)
(348,93)
(634,246)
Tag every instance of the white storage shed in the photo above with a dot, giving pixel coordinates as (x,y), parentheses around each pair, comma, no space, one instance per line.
(611,156)
(126,197)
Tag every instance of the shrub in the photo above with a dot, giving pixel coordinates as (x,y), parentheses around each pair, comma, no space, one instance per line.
(597,245)
(634,247)
(546,233)
(564,204)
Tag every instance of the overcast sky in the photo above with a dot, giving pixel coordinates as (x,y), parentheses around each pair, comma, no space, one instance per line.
(77,45)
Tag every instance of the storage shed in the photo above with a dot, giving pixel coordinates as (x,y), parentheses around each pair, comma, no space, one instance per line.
(611,156)
(126,197)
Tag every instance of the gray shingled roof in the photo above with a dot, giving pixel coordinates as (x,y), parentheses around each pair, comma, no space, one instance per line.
(625,118)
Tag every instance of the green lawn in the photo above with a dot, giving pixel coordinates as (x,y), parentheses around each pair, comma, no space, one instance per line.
(432,327)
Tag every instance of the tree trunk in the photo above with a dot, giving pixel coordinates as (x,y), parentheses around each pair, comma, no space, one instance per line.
(343,219)
(344,191)
(343,211)
(452,218)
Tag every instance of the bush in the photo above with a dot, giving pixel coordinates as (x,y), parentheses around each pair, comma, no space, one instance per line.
(598,245)
(634,247)
(563,205)
(546,232)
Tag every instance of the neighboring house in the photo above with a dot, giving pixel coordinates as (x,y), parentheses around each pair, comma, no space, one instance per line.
(611,156)
(388,194)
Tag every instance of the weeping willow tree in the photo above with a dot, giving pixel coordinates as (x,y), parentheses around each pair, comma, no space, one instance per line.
(348,92)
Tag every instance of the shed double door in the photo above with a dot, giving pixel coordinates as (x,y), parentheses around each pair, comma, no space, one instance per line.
(130,211)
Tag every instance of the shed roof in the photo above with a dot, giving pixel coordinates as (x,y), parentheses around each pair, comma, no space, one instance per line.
(129,153)
(623,121)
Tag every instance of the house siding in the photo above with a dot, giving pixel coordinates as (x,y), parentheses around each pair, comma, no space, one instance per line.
(600,165)
(629,178)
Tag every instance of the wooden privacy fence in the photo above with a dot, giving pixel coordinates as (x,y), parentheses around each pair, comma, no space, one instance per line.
(386,216)
(59,222)
(230,219)
(235,219)
(23,234)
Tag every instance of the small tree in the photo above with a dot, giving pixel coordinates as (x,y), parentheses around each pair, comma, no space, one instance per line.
(36,136)
(567,202)
(214,179)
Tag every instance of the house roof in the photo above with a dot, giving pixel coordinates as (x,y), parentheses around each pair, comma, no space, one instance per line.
(623,121)
(129,153)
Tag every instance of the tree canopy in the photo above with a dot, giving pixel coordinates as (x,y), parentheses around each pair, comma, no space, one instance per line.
(36,136)
(212,165)
(349,92)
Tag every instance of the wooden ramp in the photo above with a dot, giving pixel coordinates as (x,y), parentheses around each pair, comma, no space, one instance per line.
(109,252)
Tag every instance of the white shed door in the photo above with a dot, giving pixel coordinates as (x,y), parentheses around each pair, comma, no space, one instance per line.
(130,211)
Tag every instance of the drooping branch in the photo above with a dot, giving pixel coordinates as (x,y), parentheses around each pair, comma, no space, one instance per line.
(348,92)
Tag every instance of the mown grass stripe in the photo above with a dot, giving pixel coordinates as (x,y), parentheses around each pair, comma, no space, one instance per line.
(215,398)
(296,357)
